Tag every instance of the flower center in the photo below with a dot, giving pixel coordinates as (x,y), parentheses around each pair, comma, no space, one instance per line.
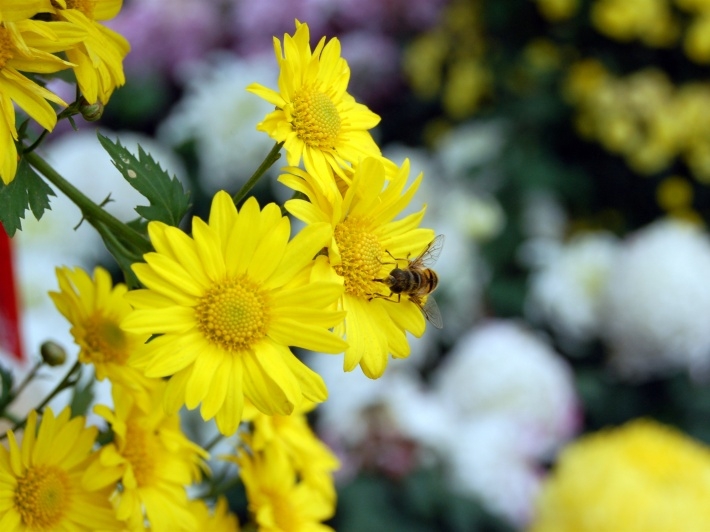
(42,496)
(315,119)
(7,48)
(141,451)
(233,314)
(85,6)
(105,341)
(360,253)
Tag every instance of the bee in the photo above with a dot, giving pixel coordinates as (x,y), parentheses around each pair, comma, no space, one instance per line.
(417,280)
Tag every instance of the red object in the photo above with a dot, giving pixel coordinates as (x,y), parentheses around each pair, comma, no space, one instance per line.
(10,340)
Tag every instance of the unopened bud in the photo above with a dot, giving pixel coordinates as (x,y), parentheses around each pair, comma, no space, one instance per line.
(91,111)
(52,353)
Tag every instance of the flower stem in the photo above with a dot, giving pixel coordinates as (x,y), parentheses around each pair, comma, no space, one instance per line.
(270,159)
(92,212)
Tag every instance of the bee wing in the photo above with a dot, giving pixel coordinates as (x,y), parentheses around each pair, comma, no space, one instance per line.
(432,313)
(430,255)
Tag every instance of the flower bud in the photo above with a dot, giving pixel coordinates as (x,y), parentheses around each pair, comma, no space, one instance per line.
(52,353)
(91,111)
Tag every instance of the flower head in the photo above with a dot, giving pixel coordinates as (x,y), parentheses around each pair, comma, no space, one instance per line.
(218,518)
(152,460)
(641,476)
(315,118)
(95,309)
(364,238)
(40,480)
(227,304)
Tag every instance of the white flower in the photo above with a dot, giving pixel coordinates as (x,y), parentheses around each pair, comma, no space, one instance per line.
(502,370)
(567,291)
(469,147)
(657,302)
(219,114)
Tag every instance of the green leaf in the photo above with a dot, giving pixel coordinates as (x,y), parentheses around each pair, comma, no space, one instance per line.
(168,200)
(81,398)
(27,191)
(6,383)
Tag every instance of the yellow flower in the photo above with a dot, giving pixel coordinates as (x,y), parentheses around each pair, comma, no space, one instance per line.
(98,58)
(639,477)
(364,238)
(227,304)
(152,460)
(95,309)
(219,519)
(40,480)
(27,46)
(315,118)
(278,500)
(311,458)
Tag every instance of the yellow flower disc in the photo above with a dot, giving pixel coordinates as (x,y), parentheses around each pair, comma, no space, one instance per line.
(315,119)
(360,252)
(41,496)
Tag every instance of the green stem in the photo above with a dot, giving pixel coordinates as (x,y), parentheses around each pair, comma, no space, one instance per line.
(28,378)
(213,442)
(270,159)
(91,211)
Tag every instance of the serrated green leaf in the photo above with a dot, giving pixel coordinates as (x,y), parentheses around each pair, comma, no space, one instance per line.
(27,191)
(168,200)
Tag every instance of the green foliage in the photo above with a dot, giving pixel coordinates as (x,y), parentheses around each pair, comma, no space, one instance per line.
(26,191)
(82,396)
(6,382)
(168,199)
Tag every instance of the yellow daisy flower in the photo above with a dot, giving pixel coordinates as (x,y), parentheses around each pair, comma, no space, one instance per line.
(152,460)
(219,519)
(315,118)
(364,239)
(40,479)
(227,304)
(312,459)
(27,46)
(95,309)
(278,500)
(98,58)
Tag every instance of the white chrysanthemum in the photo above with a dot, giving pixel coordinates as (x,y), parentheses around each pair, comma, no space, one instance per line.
(221,116)
(469,147)
(502,370)
(567,291)
(657,302)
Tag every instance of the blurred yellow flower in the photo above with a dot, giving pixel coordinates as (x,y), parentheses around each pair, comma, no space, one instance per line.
(639,477)
(227,304)
(315,118)
(40,479)
(364,236)
(217,519)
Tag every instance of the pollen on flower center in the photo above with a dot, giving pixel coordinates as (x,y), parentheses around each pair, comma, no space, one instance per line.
(105,340)
(360,253)
(141,451)
(85,6)
(7,48)
(315,118)
(42,496)
(233,314)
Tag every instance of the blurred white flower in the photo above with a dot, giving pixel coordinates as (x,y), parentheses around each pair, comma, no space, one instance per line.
(469,147)
(566,292)
(502,370)
(656,306)
(219,114)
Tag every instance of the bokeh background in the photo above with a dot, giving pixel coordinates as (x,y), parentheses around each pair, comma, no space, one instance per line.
(566,152)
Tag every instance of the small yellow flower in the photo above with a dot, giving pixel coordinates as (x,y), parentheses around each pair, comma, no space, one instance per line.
(639,477)
(98,58)
(95,308)
(218,519)
(227,304)
(152,460)
(315,118)
(40,480)
(364,236)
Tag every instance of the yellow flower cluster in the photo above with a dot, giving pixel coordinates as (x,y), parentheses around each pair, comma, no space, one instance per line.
(643,117)
(29,45)
(557,10)
(639,477)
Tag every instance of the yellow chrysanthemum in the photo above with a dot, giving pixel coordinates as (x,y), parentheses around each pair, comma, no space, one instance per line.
(26,46)
(278,500)
(95,309)
(219,519)
(227,304)
(98,58)
(640,477)
(315,118)
(152,460)
(40,479)
(364,238)
(312,459)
